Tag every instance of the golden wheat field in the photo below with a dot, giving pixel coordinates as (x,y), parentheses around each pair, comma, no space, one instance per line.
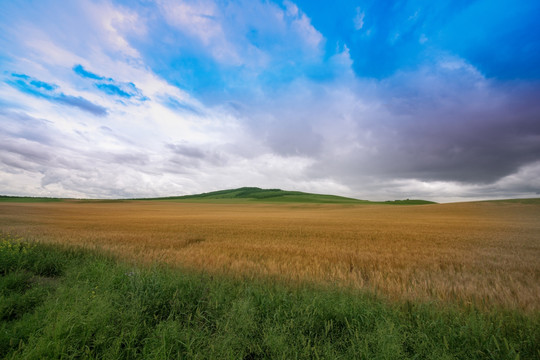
(486,253)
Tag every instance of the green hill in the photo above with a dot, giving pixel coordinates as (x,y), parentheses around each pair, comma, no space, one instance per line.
(265,195)
(239,195)
(278,195)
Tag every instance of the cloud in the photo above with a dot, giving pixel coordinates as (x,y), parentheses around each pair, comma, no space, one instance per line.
(20,125)
(186,150)
(80,103)
(81,71)
(110,23)
(252,39)
(205,95)
(109,86)
(524,182)
(41,89)
(359,19)
(443,127)
(113,90)
(185,156)
(176,104)
(448,122)
(202,21)
(301,24)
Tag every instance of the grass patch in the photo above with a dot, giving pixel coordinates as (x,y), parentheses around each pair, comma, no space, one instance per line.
(91,306)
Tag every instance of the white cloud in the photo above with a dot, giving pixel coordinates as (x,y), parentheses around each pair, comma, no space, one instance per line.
(202,19)
(199,18)
(40,45)
(114,22)
(343,63)
(359,19)
(225,31)
(301,24)
(524,182)
(126,154)
(291,8)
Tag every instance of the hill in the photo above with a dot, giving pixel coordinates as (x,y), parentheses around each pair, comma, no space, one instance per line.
(278,195)
(240,194)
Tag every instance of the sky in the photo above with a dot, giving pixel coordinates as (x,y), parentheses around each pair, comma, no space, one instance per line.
(377,100)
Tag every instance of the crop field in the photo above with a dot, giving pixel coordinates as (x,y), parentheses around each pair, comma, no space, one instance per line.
(483,253)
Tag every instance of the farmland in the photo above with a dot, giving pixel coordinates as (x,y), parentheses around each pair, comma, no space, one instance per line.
(297,276)
(484,253)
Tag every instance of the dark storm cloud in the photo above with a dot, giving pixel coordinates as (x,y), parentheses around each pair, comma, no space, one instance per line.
(441,124)
(41,89)
(460,134)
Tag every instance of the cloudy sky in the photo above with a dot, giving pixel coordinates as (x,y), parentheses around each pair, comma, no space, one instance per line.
(376,100)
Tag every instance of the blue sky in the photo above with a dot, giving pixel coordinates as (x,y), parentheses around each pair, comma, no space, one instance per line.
(370,99)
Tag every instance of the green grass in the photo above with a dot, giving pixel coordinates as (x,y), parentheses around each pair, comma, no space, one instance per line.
(60,303)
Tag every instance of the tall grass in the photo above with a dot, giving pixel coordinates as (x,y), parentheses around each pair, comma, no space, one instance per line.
(92,306)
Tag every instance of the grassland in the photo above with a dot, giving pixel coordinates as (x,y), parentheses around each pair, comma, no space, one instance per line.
(483,254)
(59,302)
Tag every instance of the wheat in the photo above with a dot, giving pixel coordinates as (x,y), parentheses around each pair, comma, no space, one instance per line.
(481,253)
